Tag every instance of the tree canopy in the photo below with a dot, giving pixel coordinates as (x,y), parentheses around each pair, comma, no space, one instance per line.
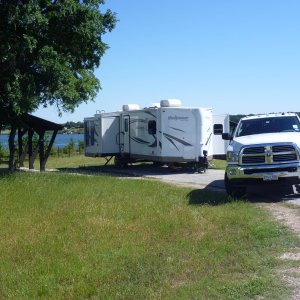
(48,52)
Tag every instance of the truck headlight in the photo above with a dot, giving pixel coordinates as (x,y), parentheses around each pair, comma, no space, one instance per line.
(232,156)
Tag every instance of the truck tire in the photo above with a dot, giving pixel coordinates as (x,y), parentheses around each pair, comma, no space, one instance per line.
(233,191)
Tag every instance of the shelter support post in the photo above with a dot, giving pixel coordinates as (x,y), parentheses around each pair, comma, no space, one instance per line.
(47,153)
(30,149)
(22,151)
(11,142)
(41,147)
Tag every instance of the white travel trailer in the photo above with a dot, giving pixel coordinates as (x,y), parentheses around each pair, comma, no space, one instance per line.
(165,133)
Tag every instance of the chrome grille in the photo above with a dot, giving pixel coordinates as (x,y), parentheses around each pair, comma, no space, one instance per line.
(284,157)
(283,148)
(268,154)
(254,150)
(253,159)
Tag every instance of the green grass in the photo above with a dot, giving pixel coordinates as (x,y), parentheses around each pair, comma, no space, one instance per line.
(80,160)
(217,164)
(5,131)
(73,236)
(64,161)
(74,161)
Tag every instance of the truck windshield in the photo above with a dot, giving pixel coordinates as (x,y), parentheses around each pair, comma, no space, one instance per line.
(268,125)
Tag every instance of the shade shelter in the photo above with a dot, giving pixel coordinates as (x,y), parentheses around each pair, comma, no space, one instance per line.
(29,124)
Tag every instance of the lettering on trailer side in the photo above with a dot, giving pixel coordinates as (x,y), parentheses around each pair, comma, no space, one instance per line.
(178,118)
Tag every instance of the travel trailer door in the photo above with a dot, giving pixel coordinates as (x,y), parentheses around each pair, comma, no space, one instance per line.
(126,134)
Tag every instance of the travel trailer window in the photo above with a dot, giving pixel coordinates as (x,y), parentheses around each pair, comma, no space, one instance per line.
(218,129)
(92,133)
(86,134)
(152,127)
(126,125)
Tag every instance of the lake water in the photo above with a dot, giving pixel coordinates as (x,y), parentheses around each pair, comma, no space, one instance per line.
(61,140)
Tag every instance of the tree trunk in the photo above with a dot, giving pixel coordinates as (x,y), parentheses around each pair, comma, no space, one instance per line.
(11,142)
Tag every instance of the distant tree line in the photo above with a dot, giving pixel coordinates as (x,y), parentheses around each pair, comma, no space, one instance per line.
(71,124)
(67,125)
(72,127)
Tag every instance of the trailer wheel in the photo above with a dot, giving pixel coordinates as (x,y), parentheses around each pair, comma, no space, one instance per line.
(157,163)
(202,164)
(199,168)
(233,191)
(120,162)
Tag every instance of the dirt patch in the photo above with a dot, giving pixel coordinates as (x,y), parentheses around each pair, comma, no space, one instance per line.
(295,255)
(291,277)
(286,215)
(291,219)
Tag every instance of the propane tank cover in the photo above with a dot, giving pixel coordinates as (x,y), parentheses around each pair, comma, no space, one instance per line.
(128,107)
(170,103)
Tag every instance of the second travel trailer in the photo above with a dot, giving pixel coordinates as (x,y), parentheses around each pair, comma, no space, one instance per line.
(167,133)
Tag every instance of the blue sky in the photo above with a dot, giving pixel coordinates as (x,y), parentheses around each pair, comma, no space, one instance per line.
(236,56)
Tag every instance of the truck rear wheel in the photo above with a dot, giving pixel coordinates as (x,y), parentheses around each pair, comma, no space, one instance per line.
(233,190)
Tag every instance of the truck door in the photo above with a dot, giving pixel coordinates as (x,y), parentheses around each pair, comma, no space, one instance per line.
(126,134)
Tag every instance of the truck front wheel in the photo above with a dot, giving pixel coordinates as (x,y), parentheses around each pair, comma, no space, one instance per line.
(233,190)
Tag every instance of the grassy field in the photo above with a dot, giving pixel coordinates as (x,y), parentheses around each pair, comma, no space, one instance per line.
(80,160)
(217,164)
(74,161)
(77,237)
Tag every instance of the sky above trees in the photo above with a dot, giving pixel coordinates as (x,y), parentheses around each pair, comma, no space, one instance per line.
(238,57)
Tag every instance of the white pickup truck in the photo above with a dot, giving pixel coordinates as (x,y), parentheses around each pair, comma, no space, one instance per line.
(263,148)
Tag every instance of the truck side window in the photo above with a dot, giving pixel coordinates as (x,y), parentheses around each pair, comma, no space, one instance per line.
(126,125)
(152,127)
(218,129)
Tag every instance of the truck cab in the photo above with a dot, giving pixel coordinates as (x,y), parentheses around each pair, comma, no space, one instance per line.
(263,148)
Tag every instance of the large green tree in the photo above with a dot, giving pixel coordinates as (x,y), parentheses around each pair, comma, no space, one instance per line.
(48,52)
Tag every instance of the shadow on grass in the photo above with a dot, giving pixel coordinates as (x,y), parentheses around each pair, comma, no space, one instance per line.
(142,169)
(5,172)
(207,197)
(96,170)
(265,193)
(273,192)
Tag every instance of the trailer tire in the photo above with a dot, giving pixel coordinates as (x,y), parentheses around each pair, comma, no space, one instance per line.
(157,164)
(120,162)
(198,167)
(201,169)
(236,192)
